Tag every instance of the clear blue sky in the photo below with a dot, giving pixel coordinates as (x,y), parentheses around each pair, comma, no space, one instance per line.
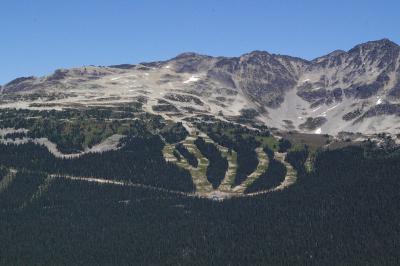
(39,36)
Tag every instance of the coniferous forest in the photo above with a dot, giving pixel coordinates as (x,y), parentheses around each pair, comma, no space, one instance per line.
(342,211)
(345,212)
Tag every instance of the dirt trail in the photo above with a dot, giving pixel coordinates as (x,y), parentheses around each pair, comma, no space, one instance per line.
(291,174)
(227,182)
(119,183)
(290,177)
(198,173)
(231,156)
(203,186)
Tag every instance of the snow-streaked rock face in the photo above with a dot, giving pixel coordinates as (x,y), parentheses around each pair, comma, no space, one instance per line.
(355,91)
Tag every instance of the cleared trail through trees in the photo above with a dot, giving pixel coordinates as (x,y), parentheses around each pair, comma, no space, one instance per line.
(291,174)
(7,179)
(213,194)
(231,157)
(118,183)
(218,194)
(290,177)
(198,173)
(203,186)
(262,166)
(41,190)
(109,144)
(200,177)
(225,190)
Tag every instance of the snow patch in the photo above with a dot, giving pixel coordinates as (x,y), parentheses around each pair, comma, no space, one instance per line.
(316,109)
(191,79)
(306,80)
(379,101)
(330,109)
(318,131)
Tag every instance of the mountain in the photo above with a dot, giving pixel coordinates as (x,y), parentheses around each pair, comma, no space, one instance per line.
(178,163)
(353,91)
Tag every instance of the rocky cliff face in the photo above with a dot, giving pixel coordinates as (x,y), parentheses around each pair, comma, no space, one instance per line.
(355,91)
(361,73)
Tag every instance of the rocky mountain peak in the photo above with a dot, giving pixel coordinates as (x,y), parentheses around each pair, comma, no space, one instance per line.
(257,54)
(382,44)
(189,55)
(191,62)
(341,91)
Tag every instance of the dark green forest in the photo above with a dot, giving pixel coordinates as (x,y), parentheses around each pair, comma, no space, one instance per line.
(274,175)
(218,165)
(140,160)
(345,212)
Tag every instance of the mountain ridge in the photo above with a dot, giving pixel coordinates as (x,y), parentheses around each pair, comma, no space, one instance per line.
(383,40)
(336,92)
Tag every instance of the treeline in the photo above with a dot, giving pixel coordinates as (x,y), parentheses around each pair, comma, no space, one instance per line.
(217,166)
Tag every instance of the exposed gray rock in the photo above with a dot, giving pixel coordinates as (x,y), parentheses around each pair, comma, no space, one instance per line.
(379,110)
(20,84)
(341,91)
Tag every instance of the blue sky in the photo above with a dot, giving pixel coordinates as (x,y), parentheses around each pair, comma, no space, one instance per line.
(39,36)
